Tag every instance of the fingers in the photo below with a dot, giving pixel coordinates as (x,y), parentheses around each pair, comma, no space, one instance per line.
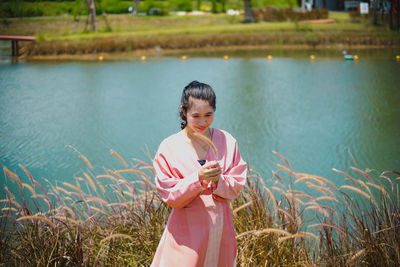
(213,175)
(211,164)
(212,168)
(210,175)
(210,171)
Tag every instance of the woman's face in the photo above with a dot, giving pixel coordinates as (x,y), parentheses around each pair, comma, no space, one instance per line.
(200,115)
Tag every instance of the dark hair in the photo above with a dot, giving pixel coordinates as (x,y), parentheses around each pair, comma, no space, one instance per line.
(196,90)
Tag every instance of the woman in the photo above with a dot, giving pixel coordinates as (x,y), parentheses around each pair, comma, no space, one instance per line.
(198,170)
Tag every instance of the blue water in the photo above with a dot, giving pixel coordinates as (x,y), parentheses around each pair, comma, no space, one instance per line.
(320,114)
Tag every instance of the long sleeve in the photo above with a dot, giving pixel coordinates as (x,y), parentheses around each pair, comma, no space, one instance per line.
(233,178)
(174,189)
(200,230)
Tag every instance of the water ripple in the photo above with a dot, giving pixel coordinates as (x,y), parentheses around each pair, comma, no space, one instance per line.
(322,115)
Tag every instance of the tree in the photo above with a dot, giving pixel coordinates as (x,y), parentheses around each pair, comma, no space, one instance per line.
(398,14)
(92,11)
(391,15)
(198,5)
(374,4)
(223,4)
(248,13)
(134,10)
(214,6)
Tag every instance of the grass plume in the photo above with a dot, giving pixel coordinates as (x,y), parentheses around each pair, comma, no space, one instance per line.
(304,220)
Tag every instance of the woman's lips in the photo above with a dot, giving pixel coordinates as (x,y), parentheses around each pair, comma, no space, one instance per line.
(201,128)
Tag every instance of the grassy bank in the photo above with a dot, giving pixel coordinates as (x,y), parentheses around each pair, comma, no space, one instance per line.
(127,34)
(115,218)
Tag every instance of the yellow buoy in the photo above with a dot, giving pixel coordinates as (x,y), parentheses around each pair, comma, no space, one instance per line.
(226,57)
(184,57)
(397,57)
(312,57)
(143,58)
(269,57)
(355,57)
(101,58)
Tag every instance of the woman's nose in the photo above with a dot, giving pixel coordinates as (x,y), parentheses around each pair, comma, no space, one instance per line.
(203,121)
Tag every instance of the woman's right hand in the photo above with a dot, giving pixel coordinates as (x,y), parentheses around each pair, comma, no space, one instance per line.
(210,171)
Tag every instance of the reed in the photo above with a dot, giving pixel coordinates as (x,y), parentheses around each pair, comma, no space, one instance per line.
(113,152)
(278,225)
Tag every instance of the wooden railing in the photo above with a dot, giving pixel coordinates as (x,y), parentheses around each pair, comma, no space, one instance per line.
(15,40)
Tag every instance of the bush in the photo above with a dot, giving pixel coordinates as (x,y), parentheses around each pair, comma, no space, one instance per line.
(14,9)
(181,5)
(278,4)
(272,14)
(114,6)
(147,5)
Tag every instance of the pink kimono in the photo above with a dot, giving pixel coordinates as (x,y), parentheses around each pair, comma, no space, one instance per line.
(200,228)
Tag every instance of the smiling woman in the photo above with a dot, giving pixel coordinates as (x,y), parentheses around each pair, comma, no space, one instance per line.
(200,116)
(197,114)
(198,184)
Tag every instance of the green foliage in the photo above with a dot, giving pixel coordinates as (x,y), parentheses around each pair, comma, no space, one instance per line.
(56,8)
(146,5)
(214,6)
(40,38)
(302,27)
(278,4)
(16,9)
(181,5)
(114,6)
(36,9)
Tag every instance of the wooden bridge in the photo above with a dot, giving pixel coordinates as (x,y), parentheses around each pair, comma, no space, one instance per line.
(14,42)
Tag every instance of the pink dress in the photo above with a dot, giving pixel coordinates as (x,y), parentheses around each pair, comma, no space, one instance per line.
(200,228)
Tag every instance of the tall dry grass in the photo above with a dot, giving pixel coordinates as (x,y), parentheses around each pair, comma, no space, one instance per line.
(112,219)
(116,218)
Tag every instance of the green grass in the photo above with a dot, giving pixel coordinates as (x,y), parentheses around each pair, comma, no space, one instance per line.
(123,26)
(119,33)
(340,16)
(261,27)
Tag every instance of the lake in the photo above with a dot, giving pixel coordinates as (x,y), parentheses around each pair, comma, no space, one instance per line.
(321,114)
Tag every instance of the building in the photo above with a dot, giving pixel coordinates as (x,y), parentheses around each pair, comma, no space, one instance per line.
(338,5)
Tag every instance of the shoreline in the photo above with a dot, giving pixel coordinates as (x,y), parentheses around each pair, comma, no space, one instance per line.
(218,51)
(210,43)
(126,37)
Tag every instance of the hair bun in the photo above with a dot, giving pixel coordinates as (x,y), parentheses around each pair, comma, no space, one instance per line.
(194,83)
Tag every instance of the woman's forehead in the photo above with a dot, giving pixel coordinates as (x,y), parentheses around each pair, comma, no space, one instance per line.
(199,105)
